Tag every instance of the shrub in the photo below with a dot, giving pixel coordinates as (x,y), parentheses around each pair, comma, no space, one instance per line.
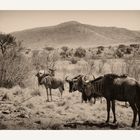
(64,52)
(14,66)
(64,48)
(49,48)
(119,53)
(73,60)
(100,49)
(80,52)
(129,50)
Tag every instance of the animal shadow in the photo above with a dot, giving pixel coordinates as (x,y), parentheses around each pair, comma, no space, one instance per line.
(87,124)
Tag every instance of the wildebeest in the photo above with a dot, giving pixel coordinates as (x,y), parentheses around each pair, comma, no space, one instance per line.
(41,74)
(76,83)
(50,82)
(114,87)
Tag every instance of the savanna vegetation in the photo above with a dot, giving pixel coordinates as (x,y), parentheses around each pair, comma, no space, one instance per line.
(25,101)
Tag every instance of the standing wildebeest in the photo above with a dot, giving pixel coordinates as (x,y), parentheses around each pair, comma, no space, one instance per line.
(114,87)
(76,83)
(50,82)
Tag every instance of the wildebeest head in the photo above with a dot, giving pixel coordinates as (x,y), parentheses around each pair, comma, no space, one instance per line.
(76,83)
(41,74)
(87,85)
(73,83)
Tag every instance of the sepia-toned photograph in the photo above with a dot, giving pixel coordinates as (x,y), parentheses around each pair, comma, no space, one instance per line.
(69,70)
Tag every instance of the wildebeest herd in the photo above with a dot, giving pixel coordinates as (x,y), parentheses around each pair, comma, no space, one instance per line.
(110,86)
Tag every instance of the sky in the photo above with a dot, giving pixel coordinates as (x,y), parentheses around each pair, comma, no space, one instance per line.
(11,21)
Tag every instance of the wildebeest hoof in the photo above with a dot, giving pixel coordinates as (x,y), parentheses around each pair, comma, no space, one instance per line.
(107,122)
(47,100)
(115,122)
(133,125)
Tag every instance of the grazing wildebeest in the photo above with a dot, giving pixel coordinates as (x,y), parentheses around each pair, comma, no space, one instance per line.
(76,83)
(50,82)
(114,87)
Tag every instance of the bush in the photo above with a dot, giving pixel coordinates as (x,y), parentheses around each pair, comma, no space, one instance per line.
(136,46)
(64,52)
(14,67)
(49,48)
(14,71)
(73,60)
(100,49)
(129,50)
(119,53)
(64,48)
(80,52)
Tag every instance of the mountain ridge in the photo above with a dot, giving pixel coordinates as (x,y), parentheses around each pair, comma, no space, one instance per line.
(75,34)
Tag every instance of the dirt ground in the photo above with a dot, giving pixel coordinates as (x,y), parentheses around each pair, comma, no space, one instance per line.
(27,109)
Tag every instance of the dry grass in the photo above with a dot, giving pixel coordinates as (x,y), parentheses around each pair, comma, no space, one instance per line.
(66,113)
(27,108)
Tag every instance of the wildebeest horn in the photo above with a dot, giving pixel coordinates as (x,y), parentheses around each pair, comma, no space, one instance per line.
(76,78)
(84,81)
(66,79)
(93,77)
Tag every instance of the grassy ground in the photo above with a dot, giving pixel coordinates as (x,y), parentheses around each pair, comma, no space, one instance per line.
(28,109)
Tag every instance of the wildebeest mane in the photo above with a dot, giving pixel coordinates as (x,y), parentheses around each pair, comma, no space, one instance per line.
(114,76)
(92,81)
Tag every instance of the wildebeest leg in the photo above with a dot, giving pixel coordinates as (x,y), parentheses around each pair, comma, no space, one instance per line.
(47,94)
(61,92)
(138,107)
(101,100)
(108,110)
(113,110)
(84,98)
(50,93)
(139,115)
(134,112)
(94,101)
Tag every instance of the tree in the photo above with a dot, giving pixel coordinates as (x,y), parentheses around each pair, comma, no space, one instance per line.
(119,53)
(64,52)
(100,49)
(80,52)
(65,48)
(6,41)
(49,49)
(13,65)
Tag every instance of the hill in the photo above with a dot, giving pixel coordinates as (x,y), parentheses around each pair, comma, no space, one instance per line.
(75,34)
